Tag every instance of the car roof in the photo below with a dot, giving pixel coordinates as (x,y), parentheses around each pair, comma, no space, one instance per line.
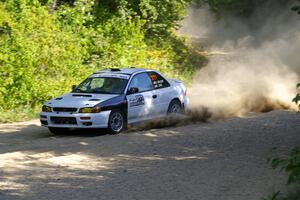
(128,71)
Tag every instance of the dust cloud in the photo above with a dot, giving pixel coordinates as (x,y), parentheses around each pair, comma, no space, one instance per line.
(254,62)
(200,114)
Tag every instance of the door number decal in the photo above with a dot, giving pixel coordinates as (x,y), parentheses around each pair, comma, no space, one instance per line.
(137,100)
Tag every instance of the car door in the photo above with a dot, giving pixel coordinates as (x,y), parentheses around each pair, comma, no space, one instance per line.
(140,104)
(162,92)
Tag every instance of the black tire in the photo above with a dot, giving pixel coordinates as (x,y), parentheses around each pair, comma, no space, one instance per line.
(175,108)
(58,131)
(117,122)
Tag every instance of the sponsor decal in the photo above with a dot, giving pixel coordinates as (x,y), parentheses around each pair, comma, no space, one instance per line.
(136,100)
(158,83)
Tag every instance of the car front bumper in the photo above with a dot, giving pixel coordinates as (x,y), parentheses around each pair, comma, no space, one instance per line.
(75,120)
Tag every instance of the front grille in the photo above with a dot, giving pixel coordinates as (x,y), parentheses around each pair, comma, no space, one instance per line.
(60,109)
(63,120)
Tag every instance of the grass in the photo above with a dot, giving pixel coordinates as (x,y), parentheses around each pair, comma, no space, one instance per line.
(19,114)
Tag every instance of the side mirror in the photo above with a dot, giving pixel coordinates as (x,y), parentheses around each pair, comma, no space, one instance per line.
(133,90)
(73,87)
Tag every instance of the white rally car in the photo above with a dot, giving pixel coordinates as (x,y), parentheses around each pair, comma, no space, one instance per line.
(113,98)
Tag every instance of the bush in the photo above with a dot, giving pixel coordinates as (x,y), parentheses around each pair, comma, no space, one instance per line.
(36,56)
(291,165)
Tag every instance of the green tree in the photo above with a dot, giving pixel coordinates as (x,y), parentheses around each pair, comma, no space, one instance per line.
(48,45)
(241,8)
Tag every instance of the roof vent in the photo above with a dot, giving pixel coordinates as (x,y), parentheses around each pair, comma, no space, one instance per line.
(108,70)
(115,70)
(94,99)
(81,95)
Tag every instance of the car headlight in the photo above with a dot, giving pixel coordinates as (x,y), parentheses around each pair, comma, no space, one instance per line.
(46,108)
(90,110)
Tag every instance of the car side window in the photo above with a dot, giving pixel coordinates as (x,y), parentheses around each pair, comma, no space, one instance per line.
(142,82)
(158,81)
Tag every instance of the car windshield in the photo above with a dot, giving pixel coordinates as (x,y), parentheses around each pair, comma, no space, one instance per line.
(102,85)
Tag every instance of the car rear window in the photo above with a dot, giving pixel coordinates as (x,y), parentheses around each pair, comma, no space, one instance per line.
(158,81)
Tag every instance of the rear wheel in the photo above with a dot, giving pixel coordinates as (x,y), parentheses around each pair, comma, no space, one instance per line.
(58,131)
(116,122)
(175,108)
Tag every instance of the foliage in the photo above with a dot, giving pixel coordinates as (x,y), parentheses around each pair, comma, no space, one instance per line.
(291,165)
(49,45)
(158,17)
(241,8)
(296,8)
(36,56)
(297,98)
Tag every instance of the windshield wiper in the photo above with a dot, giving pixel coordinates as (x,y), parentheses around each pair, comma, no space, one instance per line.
(79,91)
(92,92)
(102,92)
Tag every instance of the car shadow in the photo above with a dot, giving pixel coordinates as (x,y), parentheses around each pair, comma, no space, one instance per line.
(34,131)
(82,133)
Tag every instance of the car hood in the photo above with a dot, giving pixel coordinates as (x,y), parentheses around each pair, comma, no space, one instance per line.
(79,100)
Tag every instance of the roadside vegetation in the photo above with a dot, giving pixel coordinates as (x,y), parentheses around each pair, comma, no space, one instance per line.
(290,164)
(297,98)
(48,45)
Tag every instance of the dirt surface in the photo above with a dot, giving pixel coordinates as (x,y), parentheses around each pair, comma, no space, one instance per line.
(216,160)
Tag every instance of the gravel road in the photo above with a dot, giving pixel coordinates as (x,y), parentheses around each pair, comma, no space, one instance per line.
(223,160)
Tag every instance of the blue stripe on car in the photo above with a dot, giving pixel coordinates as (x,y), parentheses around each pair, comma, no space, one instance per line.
(118,102)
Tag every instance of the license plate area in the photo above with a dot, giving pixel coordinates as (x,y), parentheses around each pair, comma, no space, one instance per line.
(63,120)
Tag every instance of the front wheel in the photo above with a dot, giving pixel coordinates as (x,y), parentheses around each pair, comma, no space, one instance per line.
(116,122)
(58,131)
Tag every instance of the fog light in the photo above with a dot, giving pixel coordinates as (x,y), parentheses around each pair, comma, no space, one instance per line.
(44,122)
(85,118)
(87,123)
